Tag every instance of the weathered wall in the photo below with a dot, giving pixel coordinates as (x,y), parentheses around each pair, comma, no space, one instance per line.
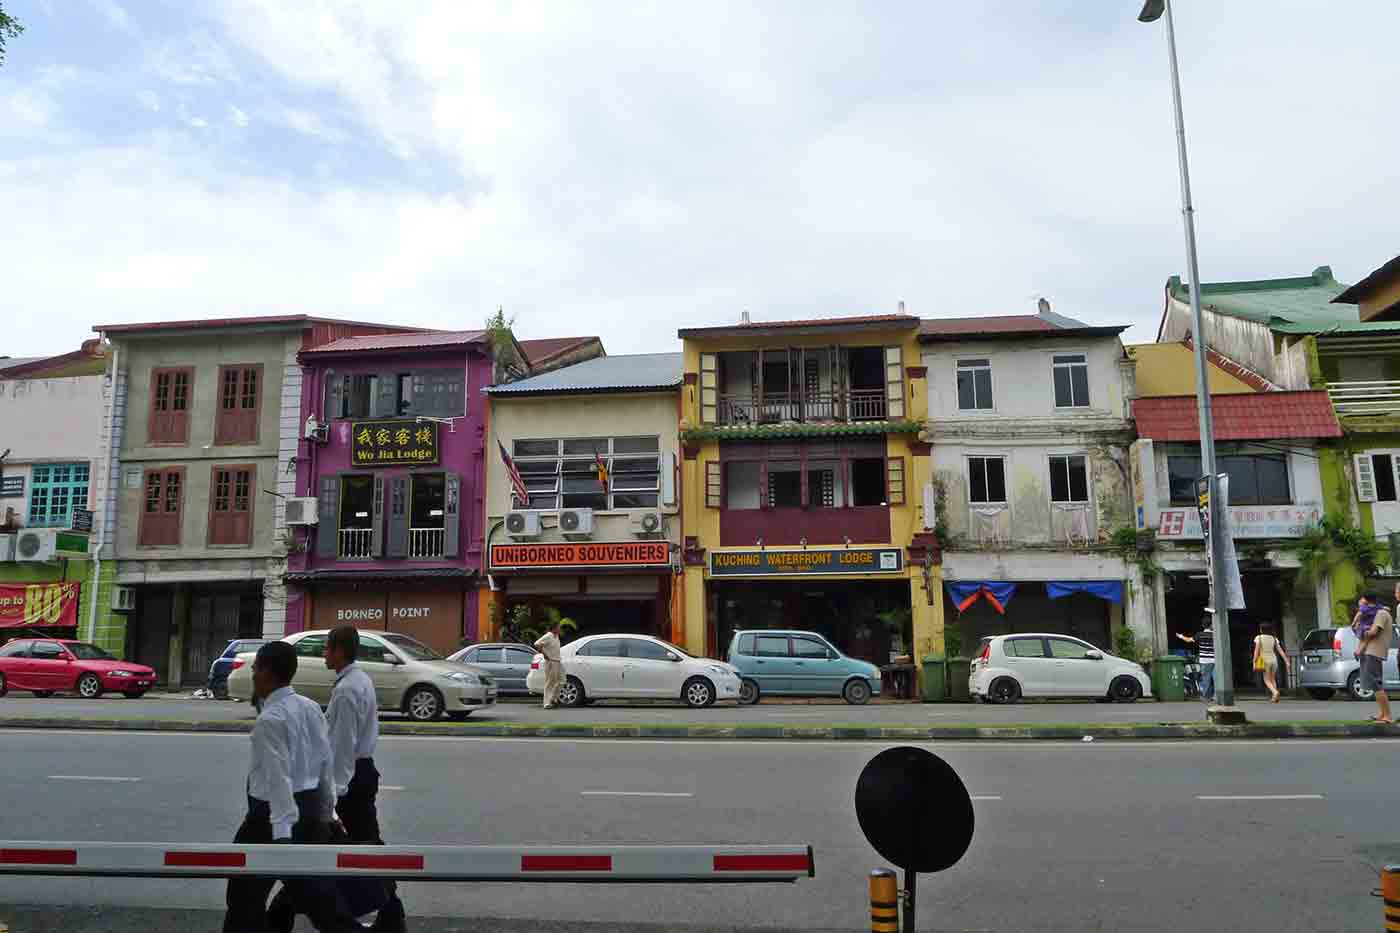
(50,420)
(1245,342)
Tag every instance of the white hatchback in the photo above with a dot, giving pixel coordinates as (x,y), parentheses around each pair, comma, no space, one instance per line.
(1010,667)
(636,667)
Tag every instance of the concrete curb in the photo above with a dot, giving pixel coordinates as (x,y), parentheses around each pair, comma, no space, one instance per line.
(760,732)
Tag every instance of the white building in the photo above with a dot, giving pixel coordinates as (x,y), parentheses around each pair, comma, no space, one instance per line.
(1029,425)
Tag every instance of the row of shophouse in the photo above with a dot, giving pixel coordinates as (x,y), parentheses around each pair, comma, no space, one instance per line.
(903,485)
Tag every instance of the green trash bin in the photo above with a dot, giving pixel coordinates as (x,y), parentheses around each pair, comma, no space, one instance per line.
(959,670)
(933,681)
(1168,678)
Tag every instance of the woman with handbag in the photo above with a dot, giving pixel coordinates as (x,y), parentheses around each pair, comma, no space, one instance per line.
(1266,654)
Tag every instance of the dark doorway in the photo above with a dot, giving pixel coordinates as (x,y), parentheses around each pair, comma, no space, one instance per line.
(149,638)
(1188,594)
(847,613)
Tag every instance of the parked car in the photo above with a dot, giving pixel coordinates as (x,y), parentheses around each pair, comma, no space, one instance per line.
(605,667)
(1009,667)
(508,663)
(791,663)
(409,677)
(226,662)
(1329,664)
(45,666)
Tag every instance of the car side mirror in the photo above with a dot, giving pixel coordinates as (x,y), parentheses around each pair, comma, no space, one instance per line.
(673,657)
(1094,655)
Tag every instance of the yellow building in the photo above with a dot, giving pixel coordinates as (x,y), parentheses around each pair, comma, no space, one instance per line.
(803,484)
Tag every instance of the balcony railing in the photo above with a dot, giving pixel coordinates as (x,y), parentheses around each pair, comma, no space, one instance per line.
(356,543)
(1365,398)
(426,543)
(776,408)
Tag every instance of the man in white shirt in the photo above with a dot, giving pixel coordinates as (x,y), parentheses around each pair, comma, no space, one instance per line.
(291,795)
(548,645)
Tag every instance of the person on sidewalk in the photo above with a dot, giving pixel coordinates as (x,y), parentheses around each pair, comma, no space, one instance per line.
(291,795)
(548,645)
(1267,652)
(1204,640)
(1375,630)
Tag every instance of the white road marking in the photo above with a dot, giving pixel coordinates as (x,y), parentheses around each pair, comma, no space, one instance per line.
(632,793)
(92,777)
(1260,797)
(986,797)
(392,787)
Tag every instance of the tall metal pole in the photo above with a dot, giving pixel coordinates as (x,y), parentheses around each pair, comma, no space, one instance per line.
(1219,601)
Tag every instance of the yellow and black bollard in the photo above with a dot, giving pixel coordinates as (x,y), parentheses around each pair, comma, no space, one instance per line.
(1390,891)
(884,902)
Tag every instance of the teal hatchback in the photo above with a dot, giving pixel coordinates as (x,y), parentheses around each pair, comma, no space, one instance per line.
(798,664)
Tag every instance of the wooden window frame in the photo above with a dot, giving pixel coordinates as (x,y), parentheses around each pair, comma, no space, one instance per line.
(714,484)
(173,371)
(893,466)
(252,470)
(179,512)
(220,438)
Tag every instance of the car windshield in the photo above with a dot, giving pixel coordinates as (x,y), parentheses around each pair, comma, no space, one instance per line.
(1319,638)
(86,652)
(414,649)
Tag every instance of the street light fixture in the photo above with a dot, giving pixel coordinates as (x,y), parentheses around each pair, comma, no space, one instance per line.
(1153,10)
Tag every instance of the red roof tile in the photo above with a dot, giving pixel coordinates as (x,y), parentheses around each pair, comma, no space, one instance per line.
(1254,417)
(1003,324)
(254,321)
(424,339)
(538,351)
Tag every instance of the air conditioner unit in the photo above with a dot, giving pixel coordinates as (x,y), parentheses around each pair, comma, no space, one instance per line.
(523,525)
(646,523)
(123,599)
(36,544)
(7,547)
(315,430)
(301,510)
(576,523)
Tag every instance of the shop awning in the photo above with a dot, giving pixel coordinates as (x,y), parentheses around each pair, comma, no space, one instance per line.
(1111,590)
(967,592)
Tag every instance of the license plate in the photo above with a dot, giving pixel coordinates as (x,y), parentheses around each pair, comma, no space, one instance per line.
(1313,658)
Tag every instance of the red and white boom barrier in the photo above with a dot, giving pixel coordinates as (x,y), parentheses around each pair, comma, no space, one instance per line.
(625,864)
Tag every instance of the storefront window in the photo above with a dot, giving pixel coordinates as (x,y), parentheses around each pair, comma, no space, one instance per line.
(868,481)
(564,473)
(1255,479)
(426,499)
(741,485)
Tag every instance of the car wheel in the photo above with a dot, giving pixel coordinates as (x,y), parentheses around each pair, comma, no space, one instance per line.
(571,693)
(748,692)
(1355,690)
(4,687)
(89,687)
(1005,690)
(1321,693)
(857,693)
(698,693)
(1125,690)
(424,704)
(43,694)
(134,694)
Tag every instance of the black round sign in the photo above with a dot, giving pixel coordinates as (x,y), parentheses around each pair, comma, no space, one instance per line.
(914,809)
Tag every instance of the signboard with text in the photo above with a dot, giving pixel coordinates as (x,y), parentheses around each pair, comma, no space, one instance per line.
(35,604)
(12,487)
(571,556)
(1247,521)
(805,563)
(393,443)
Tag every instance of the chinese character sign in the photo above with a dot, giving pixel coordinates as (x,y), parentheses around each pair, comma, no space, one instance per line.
(39,604)
(391,443)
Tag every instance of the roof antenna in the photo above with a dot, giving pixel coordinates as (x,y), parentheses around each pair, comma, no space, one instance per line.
(1043,305)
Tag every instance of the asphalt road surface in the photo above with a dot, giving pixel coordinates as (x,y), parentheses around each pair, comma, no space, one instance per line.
(1070,836)
(924,714)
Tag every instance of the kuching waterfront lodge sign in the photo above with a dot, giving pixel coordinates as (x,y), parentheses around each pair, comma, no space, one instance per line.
(391,443)
(805,563)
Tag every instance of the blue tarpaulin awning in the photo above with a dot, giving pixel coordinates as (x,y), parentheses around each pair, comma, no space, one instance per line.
(965,593)
(1111,590)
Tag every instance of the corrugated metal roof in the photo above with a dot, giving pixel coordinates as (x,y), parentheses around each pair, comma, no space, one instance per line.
(603,374)
(1011,326)
(254,321)
(758,327)
(545,349)
(1258,416)
(1301,304)
(419,340)
(1378,277)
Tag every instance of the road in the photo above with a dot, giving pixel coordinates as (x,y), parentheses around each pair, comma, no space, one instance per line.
(922,714)
(1070,836)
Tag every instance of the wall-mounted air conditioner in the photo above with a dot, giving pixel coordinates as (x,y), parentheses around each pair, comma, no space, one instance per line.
(576,523)
(523,525)
(315,430)
(7,547)
(646,523)
(301,510)
(36,544)
(123,599)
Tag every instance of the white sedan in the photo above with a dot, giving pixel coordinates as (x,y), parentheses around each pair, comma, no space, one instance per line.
(624,667)
(1009,667)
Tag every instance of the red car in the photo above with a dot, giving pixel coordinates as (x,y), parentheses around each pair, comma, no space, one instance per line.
(44,666)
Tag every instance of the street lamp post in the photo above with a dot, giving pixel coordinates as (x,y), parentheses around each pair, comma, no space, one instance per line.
(1153,10)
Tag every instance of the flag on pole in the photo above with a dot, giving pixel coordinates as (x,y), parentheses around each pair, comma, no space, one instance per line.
(517,482)
(601,468)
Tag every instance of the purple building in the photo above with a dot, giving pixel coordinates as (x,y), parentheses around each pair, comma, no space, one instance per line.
(390,472)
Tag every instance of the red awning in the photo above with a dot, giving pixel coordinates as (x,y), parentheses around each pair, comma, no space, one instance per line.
(1257,416)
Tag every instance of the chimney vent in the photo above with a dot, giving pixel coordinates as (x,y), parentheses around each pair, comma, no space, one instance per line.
(744,318)
(1043,305)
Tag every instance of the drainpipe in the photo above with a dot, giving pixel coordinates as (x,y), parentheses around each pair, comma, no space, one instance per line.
(110,462)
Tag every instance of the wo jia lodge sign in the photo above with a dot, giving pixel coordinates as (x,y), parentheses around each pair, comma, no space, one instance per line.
(391,443)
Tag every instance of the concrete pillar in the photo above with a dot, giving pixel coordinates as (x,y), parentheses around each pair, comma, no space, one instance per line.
(179,622)
(696,614)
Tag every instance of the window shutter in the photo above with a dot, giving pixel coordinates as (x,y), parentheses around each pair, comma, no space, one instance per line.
(709,388)
(376,543)
(328,516)
(1365,478)
(894,382)
(385,401)
(894,480)
(454,394)
(451,518)
(333,392)
(714,490)
(398,517)
(668,479)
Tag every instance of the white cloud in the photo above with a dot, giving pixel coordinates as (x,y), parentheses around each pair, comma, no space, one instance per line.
(307,123)
(198,123)
(237,117)
(150,100)
(114,13)
(194,59)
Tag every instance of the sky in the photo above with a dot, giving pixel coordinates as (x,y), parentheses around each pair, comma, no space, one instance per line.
(627,169)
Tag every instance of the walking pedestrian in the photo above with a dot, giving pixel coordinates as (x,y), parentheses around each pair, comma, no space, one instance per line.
(1204,640)
(1375,630)
(291,794)
(1266,655)
(548,645)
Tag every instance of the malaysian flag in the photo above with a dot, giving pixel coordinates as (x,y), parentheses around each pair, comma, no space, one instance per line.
(517,482)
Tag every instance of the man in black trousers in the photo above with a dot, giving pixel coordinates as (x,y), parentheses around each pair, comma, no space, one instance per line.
(291,792)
